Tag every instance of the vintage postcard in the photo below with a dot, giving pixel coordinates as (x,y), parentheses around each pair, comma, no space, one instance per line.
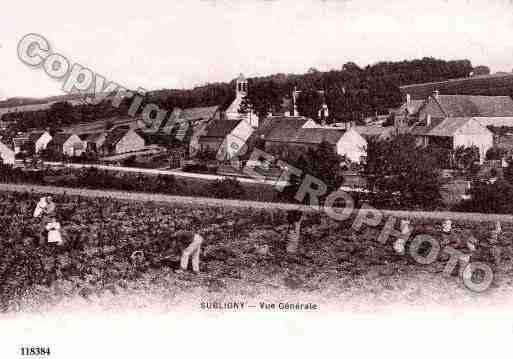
(256,178)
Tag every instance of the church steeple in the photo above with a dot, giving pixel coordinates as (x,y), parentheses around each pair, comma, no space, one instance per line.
(241,86)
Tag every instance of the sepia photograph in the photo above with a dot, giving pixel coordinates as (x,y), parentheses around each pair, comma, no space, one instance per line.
(256,178)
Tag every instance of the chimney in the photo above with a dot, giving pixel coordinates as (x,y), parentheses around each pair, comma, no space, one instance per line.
(428,120)
(408,98)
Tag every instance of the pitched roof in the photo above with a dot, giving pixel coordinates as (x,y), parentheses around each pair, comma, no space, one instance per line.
(371,131)
(475,106)
(318,135)
(441,127)
(306,135)
(114,136)
(275,128)
(61,138)
(197,113)
(189,114)
(35,135)
(221,128)
(91,137)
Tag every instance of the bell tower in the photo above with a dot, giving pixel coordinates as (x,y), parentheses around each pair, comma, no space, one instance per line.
(241,86)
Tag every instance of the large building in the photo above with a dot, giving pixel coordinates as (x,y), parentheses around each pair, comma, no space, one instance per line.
(292,136)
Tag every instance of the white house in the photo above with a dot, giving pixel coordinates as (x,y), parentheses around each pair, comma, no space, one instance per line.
(226,137)
(345,142)
(40,140)
(452,133)
(68,144)
(122,140)
(6,154)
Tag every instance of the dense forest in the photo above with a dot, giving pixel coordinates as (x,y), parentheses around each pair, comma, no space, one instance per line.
(351,92)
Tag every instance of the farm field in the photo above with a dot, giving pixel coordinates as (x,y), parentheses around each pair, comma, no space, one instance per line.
(336,267)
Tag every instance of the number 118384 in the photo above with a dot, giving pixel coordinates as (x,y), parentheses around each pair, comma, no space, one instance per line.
(35,351)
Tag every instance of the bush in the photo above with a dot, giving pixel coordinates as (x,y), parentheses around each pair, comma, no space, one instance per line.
(489,198)
(495,153)
(226,188)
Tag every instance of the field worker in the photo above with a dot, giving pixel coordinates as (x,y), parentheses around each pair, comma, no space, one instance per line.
(54,232)
(45,207)
(189,244)
(294,219)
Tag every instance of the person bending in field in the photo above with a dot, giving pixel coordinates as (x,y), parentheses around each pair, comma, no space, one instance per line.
(189,244)
(186,244)
(45,207)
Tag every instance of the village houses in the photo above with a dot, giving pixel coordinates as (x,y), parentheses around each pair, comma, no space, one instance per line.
(187,125)
(121,140)
(32,142)
(67,144)
(298,135)
(451,121)
(94,141)
(226,137)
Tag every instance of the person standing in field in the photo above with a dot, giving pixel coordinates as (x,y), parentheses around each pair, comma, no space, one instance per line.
(54,232)
(295,216)
(45,210)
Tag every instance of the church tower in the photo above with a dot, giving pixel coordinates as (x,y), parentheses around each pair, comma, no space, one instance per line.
(241,86)
(233,112)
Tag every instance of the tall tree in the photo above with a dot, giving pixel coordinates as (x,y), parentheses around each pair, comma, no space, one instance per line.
(401,174)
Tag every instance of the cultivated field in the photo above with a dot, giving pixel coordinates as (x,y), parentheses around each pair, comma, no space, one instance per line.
(336,267)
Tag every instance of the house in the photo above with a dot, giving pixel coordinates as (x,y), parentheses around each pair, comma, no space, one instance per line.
(31,142)
(226,137)
(20,143)
(6,154)
(39,140)
(182,118)
(408,112)
(121,140)
(453,132)
(235,111)
(186,125)
(67,144)
(345,142)
(273,123)
(94,141)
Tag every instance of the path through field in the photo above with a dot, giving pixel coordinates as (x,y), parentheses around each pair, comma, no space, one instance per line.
(204,201)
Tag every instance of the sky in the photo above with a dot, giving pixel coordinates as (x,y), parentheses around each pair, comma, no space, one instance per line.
(181,44)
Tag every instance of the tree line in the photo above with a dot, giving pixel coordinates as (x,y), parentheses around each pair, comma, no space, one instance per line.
(351,92)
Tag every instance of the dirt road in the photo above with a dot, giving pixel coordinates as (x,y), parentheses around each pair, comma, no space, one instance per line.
(203,201)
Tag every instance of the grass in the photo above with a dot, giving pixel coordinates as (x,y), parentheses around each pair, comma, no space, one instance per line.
(336,266)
